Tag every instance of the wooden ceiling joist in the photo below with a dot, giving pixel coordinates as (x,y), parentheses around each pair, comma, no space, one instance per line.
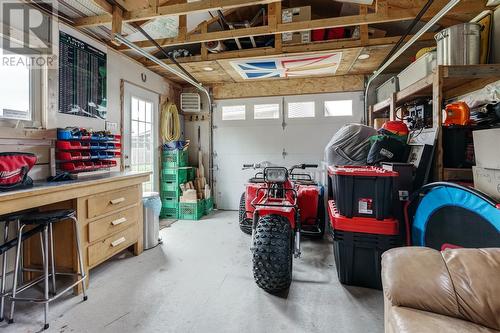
(169,10)
(293,49)
(395,15)
(104,5)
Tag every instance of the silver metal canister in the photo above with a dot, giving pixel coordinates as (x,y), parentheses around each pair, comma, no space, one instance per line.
(459,44)
(152,207)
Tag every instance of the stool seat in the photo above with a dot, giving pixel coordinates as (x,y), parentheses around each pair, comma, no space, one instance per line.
(13,242)
(48,217)
(15,216)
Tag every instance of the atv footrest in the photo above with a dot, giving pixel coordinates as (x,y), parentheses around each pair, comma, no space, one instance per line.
(310,230)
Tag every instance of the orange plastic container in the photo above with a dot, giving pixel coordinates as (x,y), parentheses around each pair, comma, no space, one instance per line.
(457,114)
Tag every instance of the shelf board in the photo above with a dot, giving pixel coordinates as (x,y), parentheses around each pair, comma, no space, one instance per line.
(457,174)
(382,106)
(422,87)
(457,80)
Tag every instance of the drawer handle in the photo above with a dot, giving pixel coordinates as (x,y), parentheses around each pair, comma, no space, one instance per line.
(119,221)
(118,242)
(117,201)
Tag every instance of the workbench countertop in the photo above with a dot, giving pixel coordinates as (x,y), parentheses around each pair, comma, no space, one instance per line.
(42,187)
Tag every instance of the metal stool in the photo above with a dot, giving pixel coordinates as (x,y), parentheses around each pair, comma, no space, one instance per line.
(6,246)
(44,221)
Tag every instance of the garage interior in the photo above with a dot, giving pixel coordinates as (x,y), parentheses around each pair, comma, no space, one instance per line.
(249,165)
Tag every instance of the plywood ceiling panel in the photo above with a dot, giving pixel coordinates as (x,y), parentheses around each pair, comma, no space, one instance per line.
(197,69)
(366,66)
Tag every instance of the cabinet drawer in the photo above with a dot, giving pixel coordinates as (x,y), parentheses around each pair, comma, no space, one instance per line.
(113,223)
(110,246)
(111,201)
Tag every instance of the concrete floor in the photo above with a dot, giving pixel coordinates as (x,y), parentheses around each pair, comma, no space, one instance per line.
(200,280)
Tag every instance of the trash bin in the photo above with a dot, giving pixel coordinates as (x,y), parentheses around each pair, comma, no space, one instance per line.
(152,207)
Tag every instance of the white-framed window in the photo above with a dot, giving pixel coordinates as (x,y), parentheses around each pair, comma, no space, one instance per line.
(338,108)
(233,112)
(266,111)
(142,139)
(301,110)
(20,91)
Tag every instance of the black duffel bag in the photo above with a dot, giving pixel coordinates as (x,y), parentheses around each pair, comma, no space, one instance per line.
(387,149)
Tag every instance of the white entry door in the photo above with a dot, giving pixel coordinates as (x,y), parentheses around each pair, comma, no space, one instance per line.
(140,130)
(282,130)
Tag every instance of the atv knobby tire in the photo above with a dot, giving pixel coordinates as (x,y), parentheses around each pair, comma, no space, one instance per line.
(272,254)
(245,223)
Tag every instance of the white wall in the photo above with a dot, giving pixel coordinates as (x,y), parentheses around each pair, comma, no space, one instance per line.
(191,133)
(119,67)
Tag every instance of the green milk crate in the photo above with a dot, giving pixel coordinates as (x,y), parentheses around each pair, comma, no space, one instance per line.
(174,158)
(169,212)
(170,203)
(191,210)
(209,205)
(191,174)
(170,190)
(178,176)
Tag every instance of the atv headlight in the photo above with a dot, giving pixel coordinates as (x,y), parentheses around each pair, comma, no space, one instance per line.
(275,175)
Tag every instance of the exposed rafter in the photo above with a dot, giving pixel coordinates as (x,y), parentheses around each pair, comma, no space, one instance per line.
(104,5)
(381,16)
(290,49)
(169,10)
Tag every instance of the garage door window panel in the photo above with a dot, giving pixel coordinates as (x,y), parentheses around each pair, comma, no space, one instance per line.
(301,110)
(341,108)
(234,112)
(266,111)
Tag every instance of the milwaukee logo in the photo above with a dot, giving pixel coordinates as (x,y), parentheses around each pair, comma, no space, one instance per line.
(10,174)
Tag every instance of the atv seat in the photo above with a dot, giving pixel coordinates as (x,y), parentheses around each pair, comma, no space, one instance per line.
(256,180)
(305,182)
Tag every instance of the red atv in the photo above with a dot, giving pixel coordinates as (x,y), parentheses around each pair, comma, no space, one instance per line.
(280,206)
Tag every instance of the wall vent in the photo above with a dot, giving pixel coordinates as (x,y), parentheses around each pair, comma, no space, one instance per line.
(190,102)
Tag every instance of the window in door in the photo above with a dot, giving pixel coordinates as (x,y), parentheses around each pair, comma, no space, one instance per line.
(338,108)
(233,112)
(266,111)
(301,110)
(142,139)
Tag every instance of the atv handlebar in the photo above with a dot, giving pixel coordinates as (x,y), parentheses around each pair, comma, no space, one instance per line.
(310,166)
(262,166)
(302,166)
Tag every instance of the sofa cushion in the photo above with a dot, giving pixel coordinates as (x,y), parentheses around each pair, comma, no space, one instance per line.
(417,277)
(460,283)
(476,277)
(407,320)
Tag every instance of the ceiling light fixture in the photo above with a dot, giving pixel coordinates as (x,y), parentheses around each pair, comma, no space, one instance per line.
(363,56)
(208,69)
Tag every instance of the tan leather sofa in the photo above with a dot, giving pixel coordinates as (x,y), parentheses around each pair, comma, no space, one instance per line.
(428,291)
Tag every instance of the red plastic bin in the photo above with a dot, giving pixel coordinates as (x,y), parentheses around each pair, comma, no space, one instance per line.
(366,225)
(73,166)
(108,163)
(363,191)
(72,145)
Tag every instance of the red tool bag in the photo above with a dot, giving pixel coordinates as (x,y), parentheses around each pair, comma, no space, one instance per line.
(14,168)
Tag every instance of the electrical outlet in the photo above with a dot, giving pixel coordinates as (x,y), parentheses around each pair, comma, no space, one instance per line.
(112,127)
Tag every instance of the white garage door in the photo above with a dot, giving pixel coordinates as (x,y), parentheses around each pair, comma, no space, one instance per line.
(282,130)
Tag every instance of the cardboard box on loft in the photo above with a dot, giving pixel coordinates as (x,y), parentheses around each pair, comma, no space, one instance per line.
(297,14)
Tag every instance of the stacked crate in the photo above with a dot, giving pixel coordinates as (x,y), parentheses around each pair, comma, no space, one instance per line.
(174,173)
